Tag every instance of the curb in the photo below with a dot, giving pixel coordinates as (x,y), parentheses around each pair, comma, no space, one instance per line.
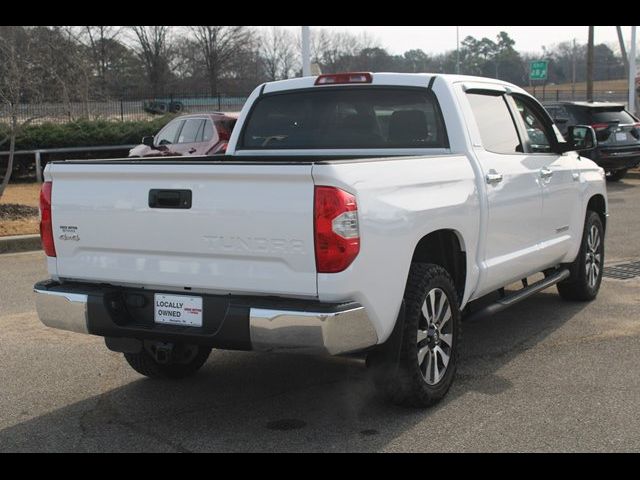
(20,243)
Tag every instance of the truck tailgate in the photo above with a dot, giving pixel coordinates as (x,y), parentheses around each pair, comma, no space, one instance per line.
(249,228)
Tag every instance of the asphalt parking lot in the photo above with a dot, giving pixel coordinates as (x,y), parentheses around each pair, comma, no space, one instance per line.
(544,376)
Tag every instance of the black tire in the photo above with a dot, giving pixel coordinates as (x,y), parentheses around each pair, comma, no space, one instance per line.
(617,175)
(404,382)
(186,361)
(161,108)
(579,286)
(176,107)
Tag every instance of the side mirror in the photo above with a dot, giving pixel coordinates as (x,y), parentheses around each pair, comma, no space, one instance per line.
(580,138)
(148,141)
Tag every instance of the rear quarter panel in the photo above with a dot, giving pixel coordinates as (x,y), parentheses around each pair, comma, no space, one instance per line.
(399,202)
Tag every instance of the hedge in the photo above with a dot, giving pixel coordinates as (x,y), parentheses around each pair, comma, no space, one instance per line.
(84,133)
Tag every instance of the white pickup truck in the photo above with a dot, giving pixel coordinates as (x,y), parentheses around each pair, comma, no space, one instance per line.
(354,213)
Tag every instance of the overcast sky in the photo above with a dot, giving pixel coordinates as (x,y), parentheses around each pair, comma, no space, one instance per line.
(440,39)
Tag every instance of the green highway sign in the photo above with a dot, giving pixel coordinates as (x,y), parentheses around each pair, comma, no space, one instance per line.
(539,70)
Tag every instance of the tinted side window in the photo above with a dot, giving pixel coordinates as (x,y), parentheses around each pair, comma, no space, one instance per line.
(356,117)
(578,116)
(560,117)
(189,132)
(168,134)
(497,129)
(208,131)
(538,140)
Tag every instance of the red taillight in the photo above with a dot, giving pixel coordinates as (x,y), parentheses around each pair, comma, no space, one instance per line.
(342,78)
(224,128)
(337,236)
(600,126)
(46,224)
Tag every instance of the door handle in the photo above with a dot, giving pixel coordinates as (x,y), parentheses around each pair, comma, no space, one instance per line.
(193,150)
(546,173)
(493,177)
(175,199)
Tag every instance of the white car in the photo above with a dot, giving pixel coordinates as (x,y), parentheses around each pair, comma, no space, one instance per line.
(354,213)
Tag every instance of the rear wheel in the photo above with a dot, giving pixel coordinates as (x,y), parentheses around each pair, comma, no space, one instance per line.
(425,367)
(184,361)
(586,271)
(617,175)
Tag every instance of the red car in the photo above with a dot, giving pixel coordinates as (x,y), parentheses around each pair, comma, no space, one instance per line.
(200,134)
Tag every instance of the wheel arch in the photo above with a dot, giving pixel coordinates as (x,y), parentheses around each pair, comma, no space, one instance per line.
(447,248)
(598,204)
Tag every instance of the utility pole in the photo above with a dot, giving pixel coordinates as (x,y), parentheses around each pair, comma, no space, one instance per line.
(573,71)
(632,72)
(590,66)
(458,50)
(623,51)
(306,52)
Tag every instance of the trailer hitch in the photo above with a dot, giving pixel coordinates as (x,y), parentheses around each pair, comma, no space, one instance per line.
(162,352)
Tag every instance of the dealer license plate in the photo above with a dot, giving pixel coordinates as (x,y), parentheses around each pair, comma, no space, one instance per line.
(178,310)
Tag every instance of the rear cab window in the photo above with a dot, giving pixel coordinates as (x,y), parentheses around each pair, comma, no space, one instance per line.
(345,118)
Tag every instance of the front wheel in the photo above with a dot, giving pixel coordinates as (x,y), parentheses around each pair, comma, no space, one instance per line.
(424,370)
(586,271)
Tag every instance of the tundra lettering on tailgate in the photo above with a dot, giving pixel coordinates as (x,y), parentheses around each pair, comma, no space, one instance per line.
(223,244)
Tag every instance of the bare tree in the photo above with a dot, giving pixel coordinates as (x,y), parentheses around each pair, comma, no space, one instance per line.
(218,46)
(333,51)
(61,53)
(16,84)
(98,40)
(153,46)
(278,53)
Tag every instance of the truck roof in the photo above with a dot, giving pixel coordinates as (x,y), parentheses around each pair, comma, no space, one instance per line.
(390,78)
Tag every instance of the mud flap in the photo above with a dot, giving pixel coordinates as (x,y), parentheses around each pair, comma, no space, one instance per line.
(385,359)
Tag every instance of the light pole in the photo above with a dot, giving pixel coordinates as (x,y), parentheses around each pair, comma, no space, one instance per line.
(632,72)
(306,52)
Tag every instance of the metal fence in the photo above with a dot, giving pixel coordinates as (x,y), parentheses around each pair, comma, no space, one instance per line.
(140,106)
(550,94)
(127,107)
(24,163)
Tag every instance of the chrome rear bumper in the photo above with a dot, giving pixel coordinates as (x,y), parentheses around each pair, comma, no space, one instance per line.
(62,310)
(249,323)
(333,333)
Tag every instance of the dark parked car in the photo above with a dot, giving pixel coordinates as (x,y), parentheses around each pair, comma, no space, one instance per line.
(198,134)
(617,131)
